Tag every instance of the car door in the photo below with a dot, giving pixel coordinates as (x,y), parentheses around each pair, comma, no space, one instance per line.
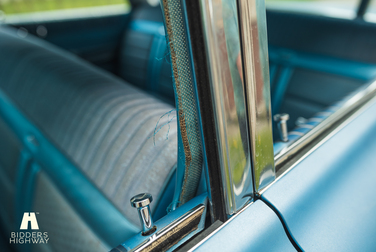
(323,160)
(308,185)
(237,217)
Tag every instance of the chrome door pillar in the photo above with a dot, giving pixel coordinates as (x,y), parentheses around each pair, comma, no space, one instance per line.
(223,47)
(236,47)
(257,84)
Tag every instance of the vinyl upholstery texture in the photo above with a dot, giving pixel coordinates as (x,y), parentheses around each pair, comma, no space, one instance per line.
(122,139)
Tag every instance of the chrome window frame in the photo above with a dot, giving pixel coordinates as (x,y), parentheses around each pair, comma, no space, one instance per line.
(252,14)
(266,168)
(236,195)
(294,151)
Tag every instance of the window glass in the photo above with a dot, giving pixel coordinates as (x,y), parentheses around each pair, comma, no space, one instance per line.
(370,16)
(11,7)
(333,8)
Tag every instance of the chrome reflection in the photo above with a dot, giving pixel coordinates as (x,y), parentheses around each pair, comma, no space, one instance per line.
(350,105)
(222,39)
(256,70)
(172,230)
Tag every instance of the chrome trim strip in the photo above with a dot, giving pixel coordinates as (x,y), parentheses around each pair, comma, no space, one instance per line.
(347,107)
(356,113)
(174,229)
(168,236)
(256,72)
(222,40)
(219,228)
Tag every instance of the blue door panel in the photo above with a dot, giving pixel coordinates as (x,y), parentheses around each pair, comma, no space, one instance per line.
(257,228)
(328,201)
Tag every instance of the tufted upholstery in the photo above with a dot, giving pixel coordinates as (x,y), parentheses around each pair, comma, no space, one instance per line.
(105,126)
(61,222)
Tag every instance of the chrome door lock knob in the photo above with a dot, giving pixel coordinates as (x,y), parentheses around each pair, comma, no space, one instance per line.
(281,120)
(142,202)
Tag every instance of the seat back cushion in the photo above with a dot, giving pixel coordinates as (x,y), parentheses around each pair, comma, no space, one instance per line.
(123,140)
(144,59)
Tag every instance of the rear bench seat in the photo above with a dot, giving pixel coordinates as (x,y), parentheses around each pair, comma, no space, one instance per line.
(76,143)
(144,59)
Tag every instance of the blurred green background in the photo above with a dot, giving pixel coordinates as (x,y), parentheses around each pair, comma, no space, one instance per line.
(25,6)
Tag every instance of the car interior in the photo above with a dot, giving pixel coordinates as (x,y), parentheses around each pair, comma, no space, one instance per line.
(90,105)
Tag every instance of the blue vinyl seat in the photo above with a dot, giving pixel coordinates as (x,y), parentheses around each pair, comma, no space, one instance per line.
(76,144)
(144,59)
